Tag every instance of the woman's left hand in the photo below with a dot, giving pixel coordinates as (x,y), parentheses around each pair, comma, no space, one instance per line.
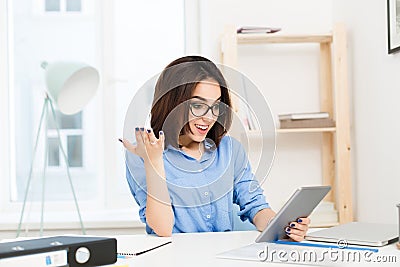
(298,230)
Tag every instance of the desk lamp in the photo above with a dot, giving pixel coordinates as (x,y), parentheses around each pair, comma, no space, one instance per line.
(70,86)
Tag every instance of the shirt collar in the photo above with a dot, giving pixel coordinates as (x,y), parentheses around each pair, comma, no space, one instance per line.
(180,159)
(209,146)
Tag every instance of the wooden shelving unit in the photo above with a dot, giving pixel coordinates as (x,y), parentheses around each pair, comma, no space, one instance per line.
(306,130)
(333,99)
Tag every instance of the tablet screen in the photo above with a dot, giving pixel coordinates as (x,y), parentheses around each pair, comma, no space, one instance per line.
(300,204)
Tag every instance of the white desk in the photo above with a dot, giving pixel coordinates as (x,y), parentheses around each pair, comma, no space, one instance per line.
(199,249)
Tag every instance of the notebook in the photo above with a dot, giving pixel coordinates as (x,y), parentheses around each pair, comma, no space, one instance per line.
(357,233)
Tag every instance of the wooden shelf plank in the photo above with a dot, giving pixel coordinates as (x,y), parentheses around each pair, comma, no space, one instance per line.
(343,145)
(306,130)
(295,130)
(283,38)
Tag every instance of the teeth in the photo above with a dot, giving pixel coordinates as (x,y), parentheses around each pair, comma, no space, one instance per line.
(202,127)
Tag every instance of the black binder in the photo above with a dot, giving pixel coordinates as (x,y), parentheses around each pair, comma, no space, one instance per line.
(82,250)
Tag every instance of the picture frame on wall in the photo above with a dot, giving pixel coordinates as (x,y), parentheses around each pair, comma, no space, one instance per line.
(393,26)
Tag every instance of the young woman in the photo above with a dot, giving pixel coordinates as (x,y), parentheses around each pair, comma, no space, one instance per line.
(185,173)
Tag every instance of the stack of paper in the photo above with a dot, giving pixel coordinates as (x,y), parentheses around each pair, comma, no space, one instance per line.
(251,29)
(306,120)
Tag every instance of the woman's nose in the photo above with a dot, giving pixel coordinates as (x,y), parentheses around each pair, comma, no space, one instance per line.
(208,116)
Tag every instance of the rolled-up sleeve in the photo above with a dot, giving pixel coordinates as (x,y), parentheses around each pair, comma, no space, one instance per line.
(247,192)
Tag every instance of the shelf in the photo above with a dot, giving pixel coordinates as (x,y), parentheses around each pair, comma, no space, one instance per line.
(295,130)
(306,130)
(334,99)
(283,38)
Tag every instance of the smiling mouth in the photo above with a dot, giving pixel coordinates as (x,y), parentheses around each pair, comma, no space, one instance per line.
(202,127)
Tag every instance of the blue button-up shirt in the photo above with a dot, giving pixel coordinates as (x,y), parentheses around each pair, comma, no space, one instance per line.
(202,191)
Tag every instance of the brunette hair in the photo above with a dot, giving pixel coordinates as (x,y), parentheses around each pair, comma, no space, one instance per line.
(175,87)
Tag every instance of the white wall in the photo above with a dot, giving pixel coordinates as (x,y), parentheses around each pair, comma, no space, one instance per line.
(286,74)
(375,83)
(290,15)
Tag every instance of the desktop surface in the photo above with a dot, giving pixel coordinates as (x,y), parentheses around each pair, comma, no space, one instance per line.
(200,249)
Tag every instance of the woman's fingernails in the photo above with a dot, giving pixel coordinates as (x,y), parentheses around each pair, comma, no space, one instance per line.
(137,129)
(148,131)
(119,139)
(161,132)
(292,225)
(141,129)
(299,220)
(287,230)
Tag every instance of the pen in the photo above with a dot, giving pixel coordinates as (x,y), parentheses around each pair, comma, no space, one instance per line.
(323,245)
(150,249)
(126,255)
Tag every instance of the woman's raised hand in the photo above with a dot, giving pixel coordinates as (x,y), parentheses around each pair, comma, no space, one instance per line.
(147,145)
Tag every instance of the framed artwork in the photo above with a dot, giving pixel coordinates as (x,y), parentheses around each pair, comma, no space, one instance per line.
(393,26)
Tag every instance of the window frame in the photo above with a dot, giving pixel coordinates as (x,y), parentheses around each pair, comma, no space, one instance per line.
(39,9)
(7,166)
(104,116)
(65,133)
(4,107)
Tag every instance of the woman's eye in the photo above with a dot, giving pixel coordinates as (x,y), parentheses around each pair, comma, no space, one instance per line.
(197,106)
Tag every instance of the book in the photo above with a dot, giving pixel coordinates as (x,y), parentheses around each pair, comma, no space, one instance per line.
(308,123)
(304,116)
(250,29)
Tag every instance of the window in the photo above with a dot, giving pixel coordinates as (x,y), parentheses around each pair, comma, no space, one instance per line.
(71,135)
(73,6)
(63,6)
(106,38)
(51,39)
(52,5)
(143,45)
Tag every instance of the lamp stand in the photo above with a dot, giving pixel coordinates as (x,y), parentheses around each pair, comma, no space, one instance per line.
(45,110)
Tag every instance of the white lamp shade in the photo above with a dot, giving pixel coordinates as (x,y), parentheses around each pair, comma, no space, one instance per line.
(71,84)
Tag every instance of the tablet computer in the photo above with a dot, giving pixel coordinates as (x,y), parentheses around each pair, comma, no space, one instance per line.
(300,204)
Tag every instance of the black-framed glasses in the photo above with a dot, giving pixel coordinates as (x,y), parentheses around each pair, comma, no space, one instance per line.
(201,109)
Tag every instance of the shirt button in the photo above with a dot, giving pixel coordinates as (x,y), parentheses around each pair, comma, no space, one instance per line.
(208,216)
(206,193)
